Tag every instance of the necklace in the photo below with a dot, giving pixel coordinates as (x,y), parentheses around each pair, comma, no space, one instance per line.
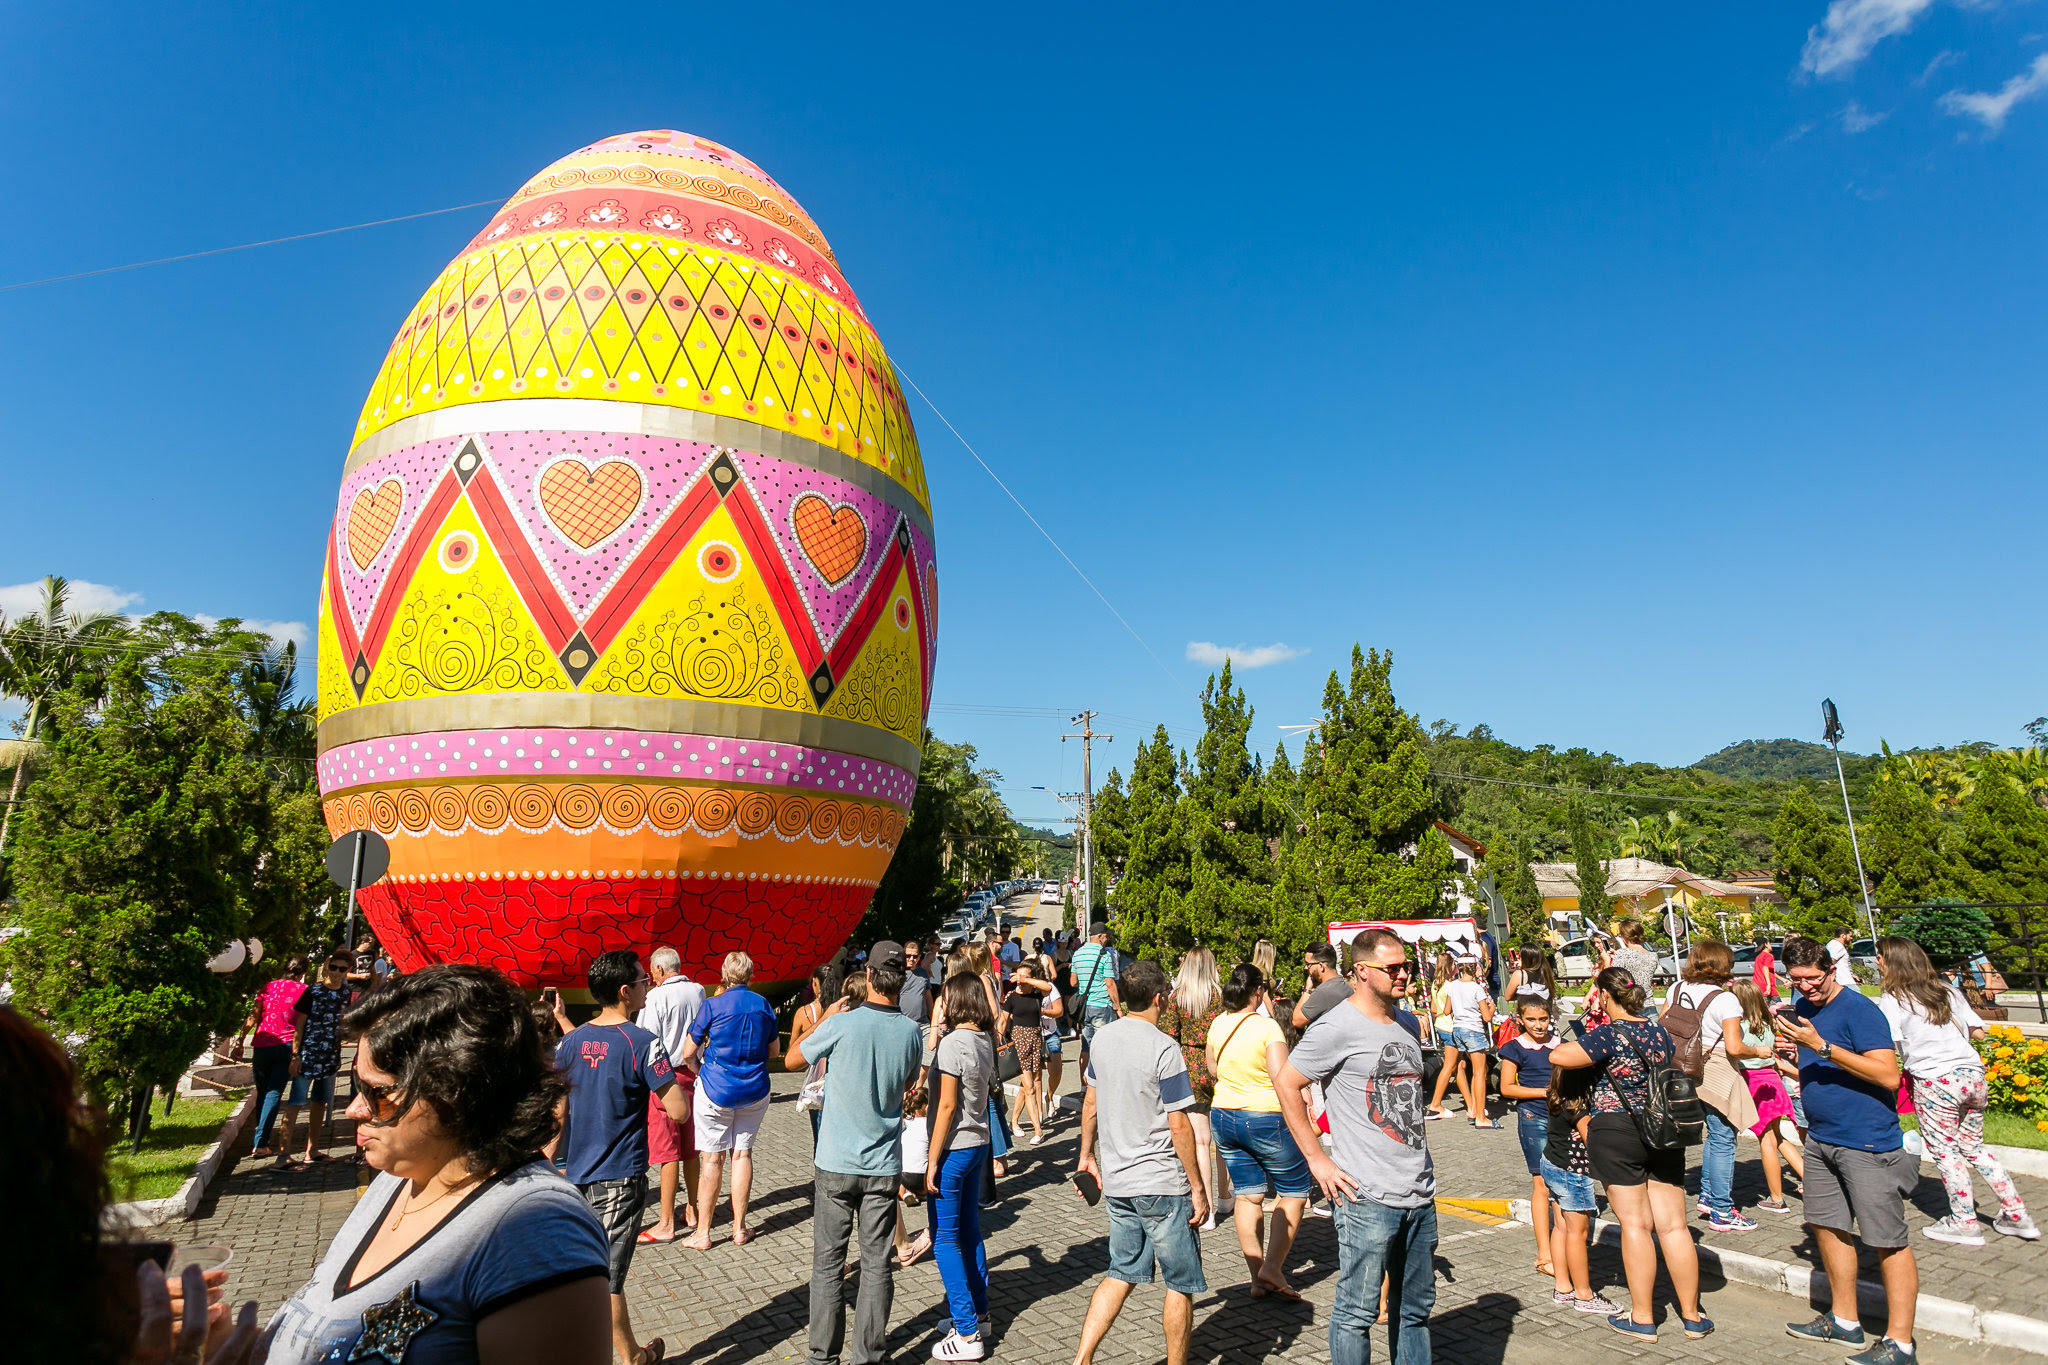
(410,1209)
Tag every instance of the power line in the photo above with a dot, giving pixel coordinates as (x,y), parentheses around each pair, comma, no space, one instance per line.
(1040,526)
(244,246)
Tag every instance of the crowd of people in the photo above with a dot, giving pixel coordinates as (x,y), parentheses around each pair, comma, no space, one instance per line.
(511,1146)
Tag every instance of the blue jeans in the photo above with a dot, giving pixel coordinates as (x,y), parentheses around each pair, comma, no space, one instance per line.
(1717,1164)
(1149,1230)
(956,1238)
(1533,1130)
(1260,1153)
(1375,1240)
(273,1067)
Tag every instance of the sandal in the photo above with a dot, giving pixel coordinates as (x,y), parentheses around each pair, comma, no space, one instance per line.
(742,1236)
(647,1238)
(914,1250)
(1263,1288)
(653,1353)
(1543,1268)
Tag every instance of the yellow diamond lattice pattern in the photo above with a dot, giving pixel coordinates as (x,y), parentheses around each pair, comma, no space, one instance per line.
(641,319)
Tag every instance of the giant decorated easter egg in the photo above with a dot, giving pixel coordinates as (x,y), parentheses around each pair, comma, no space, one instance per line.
(626,635)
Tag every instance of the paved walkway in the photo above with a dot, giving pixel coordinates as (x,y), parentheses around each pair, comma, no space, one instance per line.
(1046,1250)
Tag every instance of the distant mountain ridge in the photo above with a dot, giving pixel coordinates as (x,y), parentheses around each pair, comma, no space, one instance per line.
(1773,760)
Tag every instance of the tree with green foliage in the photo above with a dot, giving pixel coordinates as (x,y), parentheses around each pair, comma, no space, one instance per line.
(1111,814)
(1201,875)
(1950,931)
(1515,884)
(1156,871)
(139,852)
(2003,845)
(1370,849)
(51,651)
(1587,869)
(1905,846)
(1816,870)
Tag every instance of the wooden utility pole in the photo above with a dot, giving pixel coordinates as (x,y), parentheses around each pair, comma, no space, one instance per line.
(1087,737)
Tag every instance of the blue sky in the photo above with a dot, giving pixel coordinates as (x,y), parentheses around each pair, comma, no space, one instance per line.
(1639,374)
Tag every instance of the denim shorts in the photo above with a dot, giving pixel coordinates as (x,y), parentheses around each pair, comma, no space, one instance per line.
(1145,1229)
(1052,1044)
(1534,1131)
(1573,1193)
(319,1089)
(1469,1039)
(1258,1151)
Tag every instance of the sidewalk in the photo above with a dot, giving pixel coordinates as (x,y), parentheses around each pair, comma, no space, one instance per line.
(2005,1275)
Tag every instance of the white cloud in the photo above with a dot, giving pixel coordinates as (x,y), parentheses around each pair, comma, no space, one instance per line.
(1851,28)
(1857,119)
(25,599)
(1241,656)
(1991,110)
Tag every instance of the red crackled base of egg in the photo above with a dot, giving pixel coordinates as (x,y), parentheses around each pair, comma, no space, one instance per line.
(545,933)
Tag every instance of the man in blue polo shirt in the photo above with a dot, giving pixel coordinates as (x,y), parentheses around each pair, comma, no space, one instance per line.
(1857,1168)
(873,1053)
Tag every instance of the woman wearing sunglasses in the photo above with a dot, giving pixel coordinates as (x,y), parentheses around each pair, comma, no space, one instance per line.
(467,1247)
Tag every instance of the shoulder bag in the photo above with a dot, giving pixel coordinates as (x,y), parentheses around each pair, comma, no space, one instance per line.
(812,1096)
(1674,1118)
(1008,1067)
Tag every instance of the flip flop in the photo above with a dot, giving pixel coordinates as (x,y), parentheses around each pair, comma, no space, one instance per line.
(647,1238)
(1262,1288)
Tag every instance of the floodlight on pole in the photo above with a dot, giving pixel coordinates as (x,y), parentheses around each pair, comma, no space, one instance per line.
(1831,731)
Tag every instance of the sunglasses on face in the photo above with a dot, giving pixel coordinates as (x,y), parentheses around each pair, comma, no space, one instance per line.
(1397,969)
(379,1095)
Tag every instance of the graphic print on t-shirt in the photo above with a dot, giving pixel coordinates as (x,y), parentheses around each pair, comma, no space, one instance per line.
(595,1050)
(1394,1097)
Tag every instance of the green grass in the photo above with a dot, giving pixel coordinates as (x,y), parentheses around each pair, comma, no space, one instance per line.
(171,1150)
(2003,1130)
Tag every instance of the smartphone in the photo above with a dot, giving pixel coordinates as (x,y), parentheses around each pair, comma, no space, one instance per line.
(1090,1191)
(549,995)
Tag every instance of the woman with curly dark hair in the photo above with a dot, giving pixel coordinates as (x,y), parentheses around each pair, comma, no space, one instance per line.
(468,1246)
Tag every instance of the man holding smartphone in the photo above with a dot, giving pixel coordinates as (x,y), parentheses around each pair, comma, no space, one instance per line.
(1858,1172)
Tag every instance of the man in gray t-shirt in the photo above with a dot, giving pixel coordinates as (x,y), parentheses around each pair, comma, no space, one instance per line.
(1380,1182)
(1137,1142)
(1328,986)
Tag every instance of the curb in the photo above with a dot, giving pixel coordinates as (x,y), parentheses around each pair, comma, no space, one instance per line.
(1949,1317)
(149,1212)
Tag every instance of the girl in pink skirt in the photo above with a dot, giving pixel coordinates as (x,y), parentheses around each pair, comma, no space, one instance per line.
(1775,1121)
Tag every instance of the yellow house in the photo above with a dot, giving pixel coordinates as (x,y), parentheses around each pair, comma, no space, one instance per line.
(1650,892)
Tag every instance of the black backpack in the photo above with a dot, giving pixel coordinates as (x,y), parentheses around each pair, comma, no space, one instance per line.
(1675,1118)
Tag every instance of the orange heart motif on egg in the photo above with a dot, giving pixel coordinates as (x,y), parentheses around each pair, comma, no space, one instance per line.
(833,536)
(370,518)
(586,504)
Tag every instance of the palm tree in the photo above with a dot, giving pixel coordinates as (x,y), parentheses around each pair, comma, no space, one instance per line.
(45,653)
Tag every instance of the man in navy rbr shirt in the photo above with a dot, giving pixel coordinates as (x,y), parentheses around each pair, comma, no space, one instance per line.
(1858,1170)
(612,1065)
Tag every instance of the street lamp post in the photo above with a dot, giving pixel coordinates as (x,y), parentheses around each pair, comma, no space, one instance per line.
(1831,731)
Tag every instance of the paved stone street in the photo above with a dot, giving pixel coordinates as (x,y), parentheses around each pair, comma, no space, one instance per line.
(1046,1249)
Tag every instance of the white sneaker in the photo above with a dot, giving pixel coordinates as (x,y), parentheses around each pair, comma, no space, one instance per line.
(1956,1230)
(1319,1210)
(957,1347)
(2021,1227)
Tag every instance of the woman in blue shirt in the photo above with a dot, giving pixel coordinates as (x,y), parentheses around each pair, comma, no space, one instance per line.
(732,1040)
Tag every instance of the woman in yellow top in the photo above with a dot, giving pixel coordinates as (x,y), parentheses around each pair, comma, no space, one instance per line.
(1246,1050)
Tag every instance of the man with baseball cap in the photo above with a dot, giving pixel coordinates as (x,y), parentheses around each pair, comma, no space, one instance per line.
(874,1053)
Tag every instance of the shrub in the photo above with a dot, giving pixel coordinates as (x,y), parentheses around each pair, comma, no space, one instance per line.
(2016,1072)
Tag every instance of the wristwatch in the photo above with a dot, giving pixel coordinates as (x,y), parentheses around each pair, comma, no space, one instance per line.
(1826,1050)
